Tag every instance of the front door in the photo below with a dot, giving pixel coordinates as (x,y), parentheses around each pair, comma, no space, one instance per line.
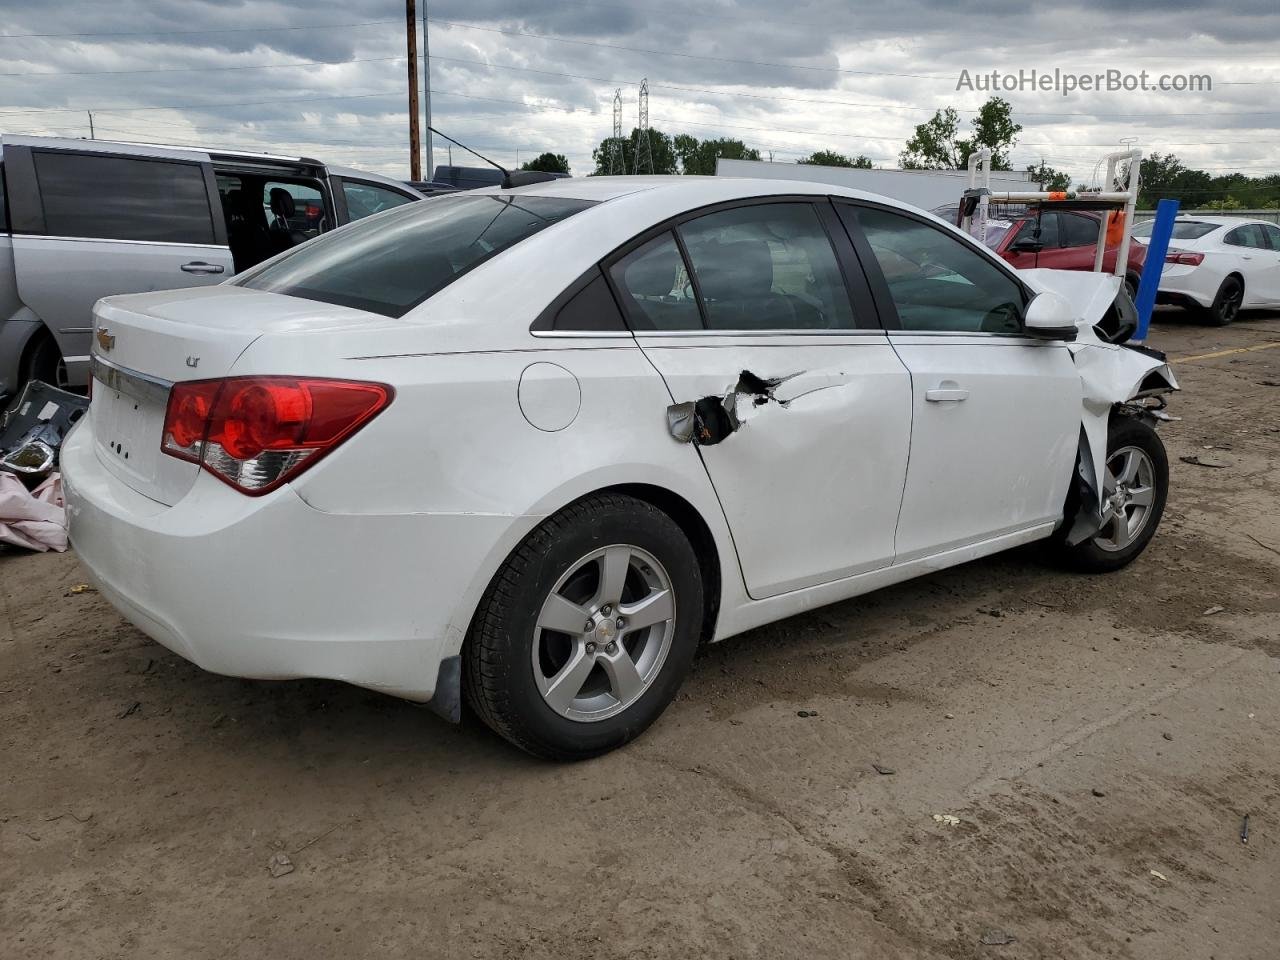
(995,414)
(803,410)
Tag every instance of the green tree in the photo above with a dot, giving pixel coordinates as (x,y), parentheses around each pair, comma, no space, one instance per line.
(547,163)
(937,145)
(829,158)
(1165,177)
(660,148)
(698,157)
(1048,177)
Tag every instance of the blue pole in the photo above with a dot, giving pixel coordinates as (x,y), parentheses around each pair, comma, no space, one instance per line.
(1153,266)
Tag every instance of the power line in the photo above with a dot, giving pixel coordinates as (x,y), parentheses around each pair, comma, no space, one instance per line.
(191,33)
(262,66)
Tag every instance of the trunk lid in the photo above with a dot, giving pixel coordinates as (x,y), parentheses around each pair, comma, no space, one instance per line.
(144,343)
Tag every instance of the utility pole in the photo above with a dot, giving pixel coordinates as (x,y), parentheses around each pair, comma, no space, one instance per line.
(91,136)
(426,82)
(617,160)
(415,158)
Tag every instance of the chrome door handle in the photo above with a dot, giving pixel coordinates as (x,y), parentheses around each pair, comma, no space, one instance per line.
(199,266)
(946,395)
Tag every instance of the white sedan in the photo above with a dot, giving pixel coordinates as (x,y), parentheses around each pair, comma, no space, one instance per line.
(528,447)
(1219,265)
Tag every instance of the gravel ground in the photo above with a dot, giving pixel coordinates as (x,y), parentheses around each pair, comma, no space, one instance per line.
(1098,739)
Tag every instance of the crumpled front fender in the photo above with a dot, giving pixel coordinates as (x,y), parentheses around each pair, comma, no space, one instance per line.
(1111,376)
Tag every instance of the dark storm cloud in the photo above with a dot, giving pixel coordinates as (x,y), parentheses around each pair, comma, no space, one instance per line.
(712,69)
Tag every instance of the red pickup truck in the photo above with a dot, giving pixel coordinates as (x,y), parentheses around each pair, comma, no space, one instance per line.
(1060,240)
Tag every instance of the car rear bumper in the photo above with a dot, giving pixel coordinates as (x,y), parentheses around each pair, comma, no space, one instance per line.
(271,588)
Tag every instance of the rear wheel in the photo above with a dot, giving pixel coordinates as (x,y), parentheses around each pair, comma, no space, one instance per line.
(43,361)
(587,631)
(1226,305)
(1134,487)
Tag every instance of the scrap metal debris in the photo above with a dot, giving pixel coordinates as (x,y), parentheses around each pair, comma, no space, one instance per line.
(1197,461)
(884,771)
(31,434)
(279,864)
(997,938)
(710,420)
(1212,610)
(33,428)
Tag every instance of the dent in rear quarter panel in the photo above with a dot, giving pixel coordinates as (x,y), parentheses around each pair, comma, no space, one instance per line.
(456,444)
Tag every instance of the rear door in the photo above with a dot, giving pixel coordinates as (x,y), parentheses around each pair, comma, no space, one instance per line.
(748,309)
(91,222)
(357,199)
(995,414)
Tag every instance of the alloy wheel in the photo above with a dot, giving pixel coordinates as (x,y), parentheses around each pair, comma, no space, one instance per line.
(603,633)
(1128,495)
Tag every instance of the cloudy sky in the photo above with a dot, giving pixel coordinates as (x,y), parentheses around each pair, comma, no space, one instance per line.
(327,77)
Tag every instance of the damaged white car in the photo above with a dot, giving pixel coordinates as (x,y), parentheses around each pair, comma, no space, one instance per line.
(529,447)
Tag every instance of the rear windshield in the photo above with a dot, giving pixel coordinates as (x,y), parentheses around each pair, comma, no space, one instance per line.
(1182,229)
(391,262)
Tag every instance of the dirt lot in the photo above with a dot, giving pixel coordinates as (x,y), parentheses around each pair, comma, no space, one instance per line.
(1099,740)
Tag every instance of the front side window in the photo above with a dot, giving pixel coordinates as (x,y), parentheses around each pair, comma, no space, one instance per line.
(1079,231)
(936,281)
(391,264)
(123,198)
(767,266)
(1249,235)
(365,199)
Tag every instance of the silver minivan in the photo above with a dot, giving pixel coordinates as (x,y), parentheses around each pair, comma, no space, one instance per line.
(83,219)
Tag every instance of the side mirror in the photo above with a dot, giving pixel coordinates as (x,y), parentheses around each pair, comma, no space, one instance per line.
(1050,316)
(1026,245)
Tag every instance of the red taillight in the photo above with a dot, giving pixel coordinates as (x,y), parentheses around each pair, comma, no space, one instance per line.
(257,432)
(1184,257)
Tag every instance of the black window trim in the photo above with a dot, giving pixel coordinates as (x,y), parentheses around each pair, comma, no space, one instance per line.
(880,287)
(860,299)
(32,209)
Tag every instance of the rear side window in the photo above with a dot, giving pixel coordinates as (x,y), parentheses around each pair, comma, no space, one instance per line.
(389,265)
(1182,229)
(767,266)
(122,198)
(1250,235)
(1273,235)
(655,288)
(4,208)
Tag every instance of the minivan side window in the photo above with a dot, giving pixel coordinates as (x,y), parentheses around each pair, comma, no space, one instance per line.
(123,198)
(936,281)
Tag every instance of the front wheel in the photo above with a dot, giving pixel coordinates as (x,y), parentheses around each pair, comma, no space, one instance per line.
(584,636)
(1135,485)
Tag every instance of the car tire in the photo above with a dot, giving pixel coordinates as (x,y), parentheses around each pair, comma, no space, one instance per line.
(1226,305)
(43,361)
(1137,470)
(562,691)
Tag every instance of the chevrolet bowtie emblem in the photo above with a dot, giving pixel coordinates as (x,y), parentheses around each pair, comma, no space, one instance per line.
(106,340)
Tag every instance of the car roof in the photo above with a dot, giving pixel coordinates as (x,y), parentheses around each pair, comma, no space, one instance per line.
(1218,221)
(689,191)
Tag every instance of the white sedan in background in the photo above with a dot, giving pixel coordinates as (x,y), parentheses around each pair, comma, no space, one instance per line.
(1219,265)
(528,447)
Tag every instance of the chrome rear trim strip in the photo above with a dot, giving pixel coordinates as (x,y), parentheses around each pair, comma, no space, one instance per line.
(140,386)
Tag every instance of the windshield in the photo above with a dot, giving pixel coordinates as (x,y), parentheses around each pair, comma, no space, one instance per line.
(391,262)
(1182,229)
